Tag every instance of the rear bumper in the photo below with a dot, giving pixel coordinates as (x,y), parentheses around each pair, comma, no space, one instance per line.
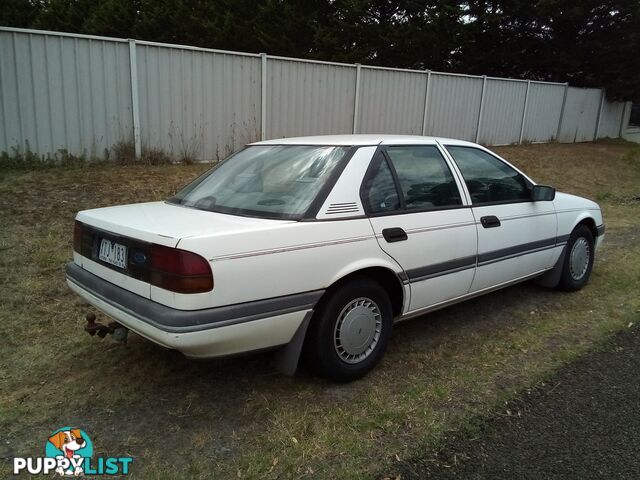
(204,333)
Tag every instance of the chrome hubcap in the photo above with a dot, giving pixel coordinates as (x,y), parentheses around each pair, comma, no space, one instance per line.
(579,258)
(357,330)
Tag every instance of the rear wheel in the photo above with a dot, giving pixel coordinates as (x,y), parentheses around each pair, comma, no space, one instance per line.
(349,330)
(578,259)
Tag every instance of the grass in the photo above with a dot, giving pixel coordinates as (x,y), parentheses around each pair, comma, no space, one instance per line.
(239,418)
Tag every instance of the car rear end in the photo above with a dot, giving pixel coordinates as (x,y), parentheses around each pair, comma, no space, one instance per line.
(201,272)
(137,274)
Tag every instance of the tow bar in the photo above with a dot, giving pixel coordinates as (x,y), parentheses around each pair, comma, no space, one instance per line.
(92,327)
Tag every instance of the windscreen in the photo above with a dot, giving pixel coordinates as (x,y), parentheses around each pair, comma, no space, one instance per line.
(269,181)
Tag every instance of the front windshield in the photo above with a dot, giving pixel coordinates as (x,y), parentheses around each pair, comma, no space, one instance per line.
(271,181)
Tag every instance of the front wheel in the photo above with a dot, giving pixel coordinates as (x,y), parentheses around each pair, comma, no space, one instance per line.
(578,259)
(349,330)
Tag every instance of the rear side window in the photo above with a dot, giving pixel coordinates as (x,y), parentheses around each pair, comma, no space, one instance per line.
(488,179)
(381,194)
(424,177)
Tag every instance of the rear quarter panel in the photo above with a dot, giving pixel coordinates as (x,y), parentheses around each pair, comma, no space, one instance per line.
(291,258)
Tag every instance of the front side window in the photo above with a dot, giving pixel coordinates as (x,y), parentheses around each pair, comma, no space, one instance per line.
(424,177)
(269,181)
(488,179)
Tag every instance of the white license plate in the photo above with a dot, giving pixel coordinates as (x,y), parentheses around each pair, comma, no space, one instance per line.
(113,253)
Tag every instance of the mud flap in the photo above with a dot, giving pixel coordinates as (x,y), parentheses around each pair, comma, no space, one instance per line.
(286,359)
(551,278)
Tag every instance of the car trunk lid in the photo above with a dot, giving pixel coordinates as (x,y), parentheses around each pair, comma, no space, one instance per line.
(116,241)
(165,223)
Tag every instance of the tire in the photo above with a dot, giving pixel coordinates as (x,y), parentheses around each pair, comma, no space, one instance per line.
(349,330)
(578,260)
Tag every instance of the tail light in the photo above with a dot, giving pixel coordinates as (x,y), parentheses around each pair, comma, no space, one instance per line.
(78,232)
(179,271)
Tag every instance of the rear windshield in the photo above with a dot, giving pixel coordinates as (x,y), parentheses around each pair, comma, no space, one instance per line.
(269,181)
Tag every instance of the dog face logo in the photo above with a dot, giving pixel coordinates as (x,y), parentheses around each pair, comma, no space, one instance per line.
(72,444)
(68,441)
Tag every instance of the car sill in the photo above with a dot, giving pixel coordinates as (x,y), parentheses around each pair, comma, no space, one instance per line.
(466,296)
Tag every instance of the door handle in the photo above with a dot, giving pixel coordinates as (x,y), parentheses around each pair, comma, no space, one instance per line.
(395,234)
(490,221)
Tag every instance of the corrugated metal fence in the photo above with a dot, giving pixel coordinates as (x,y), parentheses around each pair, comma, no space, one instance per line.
(84,94)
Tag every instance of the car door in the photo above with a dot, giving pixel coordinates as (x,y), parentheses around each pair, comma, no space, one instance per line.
(516,236)
(416,208)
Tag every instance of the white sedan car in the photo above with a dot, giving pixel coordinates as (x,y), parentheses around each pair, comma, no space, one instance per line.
(315,246)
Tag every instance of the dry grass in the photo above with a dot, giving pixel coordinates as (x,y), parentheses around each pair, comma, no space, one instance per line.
(238,417)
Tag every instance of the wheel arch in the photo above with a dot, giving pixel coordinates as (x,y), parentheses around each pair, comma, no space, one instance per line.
(387,274)
(384,275)
(589,222)
(552,277)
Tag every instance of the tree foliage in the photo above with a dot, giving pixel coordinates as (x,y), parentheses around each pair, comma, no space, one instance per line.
(585,42)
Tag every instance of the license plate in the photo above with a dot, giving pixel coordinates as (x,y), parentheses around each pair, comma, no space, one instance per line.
(113,253)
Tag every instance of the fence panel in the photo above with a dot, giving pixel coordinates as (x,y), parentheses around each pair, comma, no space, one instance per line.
(502,112)
(72,92)
(63,93)
(580,115)
(391,101)
(544,108)
(610,119)
(197,104)
(305,98)
(453,106)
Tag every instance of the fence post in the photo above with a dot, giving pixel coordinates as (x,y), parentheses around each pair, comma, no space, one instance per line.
(263,97)
(564,102)
(524,112)
(484,84)
(426,103)
(356,103)
(595,135)
(135,101)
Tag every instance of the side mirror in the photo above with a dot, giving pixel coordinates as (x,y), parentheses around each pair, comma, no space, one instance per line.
(543,193)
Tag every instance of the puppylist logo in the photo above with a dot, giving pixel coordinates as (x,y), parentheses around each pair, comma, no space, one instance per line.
(69,452)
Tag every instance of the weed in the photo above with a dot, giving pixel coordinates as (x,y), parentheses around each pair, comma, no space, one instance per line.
(122,153)
(20,157)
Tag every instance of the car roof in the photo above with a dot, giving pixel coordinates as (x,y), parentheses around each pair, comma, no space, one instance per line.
(361,140)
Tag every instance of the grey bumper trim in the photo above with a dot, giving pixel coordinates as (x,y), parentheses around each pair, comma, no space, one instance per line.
(181,321)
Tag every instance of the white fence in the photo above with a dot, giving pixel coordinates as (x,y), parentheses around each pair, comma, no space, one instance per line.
(83,94)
